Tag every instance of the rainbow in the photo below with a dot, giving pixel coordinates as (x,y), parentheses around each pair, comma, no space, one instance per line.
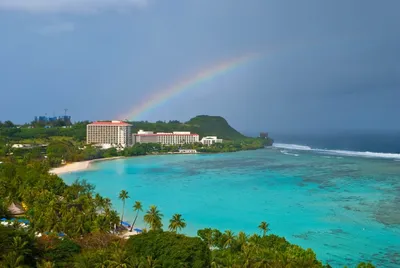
(186,84)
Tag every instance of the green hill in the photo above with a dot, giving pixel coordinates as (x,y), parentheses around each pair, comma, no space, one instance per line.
(206,125)
(203,125)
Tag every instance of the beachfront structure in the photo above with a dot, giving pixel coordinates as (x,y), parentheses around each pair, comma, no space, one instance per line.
(16,209)
(109,134)
(174,138)
(210,140)
(187,151)
(28,146)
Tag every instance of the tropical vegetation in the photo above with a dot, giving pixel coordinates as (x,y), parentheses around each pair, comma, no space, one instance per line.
(177,223)
(137,207)
(153,218)
(123,195)
(61,225)
(58,144)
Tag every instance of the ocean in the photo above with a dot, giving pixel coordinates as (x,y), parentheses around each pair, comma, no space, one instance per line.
(357,141)
(344,204)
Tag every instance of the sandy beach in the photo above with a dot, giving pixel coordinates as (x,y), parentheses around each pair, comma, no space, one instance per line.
(79,166)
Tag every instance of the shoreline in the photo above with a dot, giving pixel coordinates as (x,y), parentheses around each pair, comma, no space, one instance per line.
(79,166)
(84,165)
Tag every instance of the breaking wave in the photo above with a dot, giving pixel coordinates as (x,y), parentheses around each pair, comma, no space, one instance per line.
(292,146)
(297,147)
(288,153)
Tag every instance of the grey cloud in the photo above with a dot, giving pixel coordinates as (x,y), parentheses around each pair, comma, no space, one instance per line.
(327,64)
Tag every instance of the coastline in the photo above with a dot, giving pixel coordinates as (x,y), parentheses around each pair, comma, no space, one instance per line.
(79,166)
(83,165)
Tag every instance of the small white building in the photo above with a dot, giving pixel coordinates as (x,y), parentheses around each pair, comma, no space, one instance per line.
(21,146)
(210,140)
(187,151)
(18,146)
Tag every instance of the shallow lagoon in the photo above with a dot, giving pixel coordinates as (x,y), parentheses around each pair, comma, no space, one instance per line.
(346,209)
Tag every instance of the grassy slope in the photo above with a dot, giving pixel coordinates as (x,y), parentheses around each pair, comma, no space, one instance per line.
(214,126)
(203,125)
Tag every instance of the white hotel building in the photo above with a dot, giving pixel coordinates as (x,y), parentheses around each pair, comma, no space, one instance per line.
(176,137)
(109,134)
(210,140)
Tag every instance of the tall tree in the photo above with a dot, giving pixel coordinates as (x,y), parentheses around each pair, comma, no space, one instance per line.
(229,239)
(153,218)
(16,257)
(123,195)
(8,124)
(136,207)
(264,227)
(176,223)
(113,218)
(106,205)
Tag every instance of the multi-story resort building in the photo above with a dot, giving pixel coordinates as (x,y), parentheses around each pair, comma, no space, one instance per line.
(174,138)
(109,134)
(210,140)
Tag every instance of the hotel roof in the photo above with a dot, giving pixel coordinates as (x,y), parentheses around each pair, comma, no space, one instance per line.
(167,134)
(110,123)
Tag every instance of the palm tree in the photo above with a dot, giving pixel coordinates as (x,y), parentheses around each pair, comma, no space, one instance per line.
(136,207)
(20,246)
(264,227)
(229,239)
(255,242)
(149,262)
(83,261)
(16,257)
(113,219)
(107,205)
(45,264)
(247,250)
(118,256)
(99,200)
(153,218)
(123,195)
(13,260)
(241,239)
(176,223)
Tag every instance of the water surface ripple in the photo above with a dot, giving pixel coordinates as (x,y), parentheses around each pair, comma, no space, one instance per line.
(346,209)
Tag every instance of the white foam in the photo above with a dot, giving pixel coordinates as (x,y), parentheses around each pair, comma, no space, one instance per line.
(362,154)
(337,152)
(288,153)
(292,146)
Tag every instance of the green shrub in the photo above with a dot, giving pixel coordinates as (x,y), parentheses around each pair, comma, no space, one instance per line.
(170,249)
(62,251)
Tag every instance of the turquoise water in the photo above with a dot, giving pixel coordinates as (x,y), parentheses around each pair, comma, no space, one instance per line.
(346,209)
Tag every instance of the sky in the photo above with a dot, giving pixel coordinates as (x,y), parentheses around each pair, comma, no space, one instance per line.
(324,65)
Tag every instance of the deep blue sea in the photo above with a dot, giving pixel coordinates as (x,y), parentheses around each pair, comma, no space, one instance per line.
(342,203)
(359,141)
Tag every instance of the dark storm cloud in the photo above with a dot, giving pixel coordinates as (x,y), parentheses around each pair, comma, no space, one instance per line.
(326,64)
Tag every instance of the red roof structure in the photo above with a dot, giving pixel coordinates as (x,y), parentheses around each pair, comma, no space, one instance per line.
(110,123)
(168,134)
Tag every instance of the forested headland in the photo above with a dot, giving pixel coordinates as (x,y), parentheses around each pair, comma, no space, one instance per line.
(65,144)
